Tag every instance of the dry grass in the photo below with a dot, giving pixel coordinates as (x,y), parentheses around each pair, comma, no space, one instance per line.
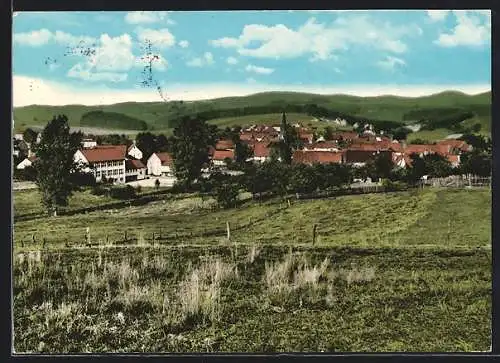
(200,291)
(253,253)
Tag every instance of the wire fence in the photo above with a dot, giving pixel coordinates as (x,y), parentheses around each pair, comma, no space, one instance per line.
(459,181)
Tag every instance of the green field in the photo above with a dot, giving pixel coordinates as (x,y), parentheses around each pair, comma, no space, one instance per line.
(264,119)
(158,115)
(405,271)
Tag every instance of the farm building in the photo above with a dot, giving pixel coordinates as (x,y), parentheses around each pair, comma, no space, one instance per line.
(106,161)
(160,164)
(134,170)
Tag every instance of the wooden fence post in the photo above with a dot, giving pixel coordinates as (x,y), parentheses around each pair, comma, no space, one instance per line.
(228,231)
(314,234)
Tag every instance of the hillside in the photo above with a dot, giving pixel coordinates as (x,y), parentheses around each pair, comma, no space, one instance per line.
(449,110)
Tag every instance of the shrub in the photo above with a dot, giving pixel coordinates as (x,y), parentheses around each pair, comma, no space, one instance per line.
(99,189)
(392,186)
(127,192)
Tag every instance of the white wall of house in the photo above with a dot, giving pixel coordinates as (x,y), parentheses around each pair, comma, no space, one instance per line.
(23,164)
(114,169)
(87,144)
(135,152)
(139,173)
(111,169)
(154,165)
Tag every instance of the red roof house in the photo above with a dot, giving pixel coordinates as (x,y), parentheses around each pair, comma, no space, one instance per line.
(322,157)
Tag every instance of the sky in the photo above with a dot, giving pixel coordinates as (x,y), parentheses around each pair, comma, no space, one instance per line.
(109,57)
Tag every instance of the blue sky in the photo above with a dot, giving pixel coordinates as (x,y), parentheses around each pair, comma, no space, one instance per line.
(196,55)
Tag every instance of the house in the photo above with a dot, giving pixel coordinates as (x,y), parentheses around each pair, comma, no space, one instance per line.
(104,161)
(39,138)
(160,164)
(224,144)
(456,145)
(420,150)
(220,156)
(454,160)
(323,146)
(312,157)
(261,152)
(345,136)
(88,143)
(19,137)
(26,162)
(306,137)
(401,160)
(361,156)
(134,151)
(134,170)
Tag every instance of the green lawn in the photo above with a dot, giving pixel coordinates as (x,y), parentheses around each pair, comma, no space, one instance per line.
(406,271)
(370,220)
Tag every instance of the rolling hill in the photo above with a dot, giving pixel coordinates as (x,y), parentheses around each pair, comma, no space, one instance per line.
(446,110)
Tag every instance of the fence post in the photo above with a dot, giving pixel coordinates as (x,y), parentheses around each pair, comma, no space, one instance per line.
(43,243)
(34,239)
(228,231)
(314,234)
(125,237)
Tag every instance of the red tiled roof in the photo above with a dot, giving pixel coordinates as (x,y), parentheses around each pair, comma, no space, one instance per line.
(165,158)
(224,144)
(323,145)
(244,136)
(410,149)
(345,135)
(311,157)
(134,164)
(105,153)
(454,159)
(361,156)
(222,154)
(261,149)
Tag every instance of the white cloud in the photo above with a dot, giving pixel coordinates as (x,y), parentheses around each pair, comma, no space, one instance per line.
(184,44)
(44,36)
(157,62)
(231,60)
(320,40)
(437,15)
(148,17)
(251,80)
(82,72)
(161,38)
(207,59)
(390,63)
(259,70)
(473,28)
(113,54)
(35,38)
(337,70)
(53,93)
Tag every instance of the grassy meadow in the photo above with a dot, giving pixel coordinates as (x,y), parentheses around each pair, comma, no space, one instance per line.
(405,271)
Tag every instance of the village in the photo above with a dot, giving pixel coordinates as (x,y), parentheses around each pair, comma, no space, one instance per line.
(126,164)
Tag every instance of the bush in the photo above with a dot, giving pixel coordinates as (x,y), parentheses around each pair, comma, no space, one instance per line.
(99,189)
(127,192)
(83,179)
(392,186)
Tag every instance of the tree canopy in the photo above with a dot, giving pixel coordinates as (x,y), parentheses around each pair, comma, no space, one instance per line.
(55,164)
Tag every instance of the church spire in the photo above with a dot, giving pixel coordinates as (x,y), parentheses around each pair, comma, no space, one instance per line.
(283,126)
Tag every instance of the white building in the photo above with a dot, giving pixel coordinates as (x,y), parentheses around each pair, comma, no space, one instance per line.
(18,137)
(88,143)
(26,162)
(134,151)
(160,164)
(106,161)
